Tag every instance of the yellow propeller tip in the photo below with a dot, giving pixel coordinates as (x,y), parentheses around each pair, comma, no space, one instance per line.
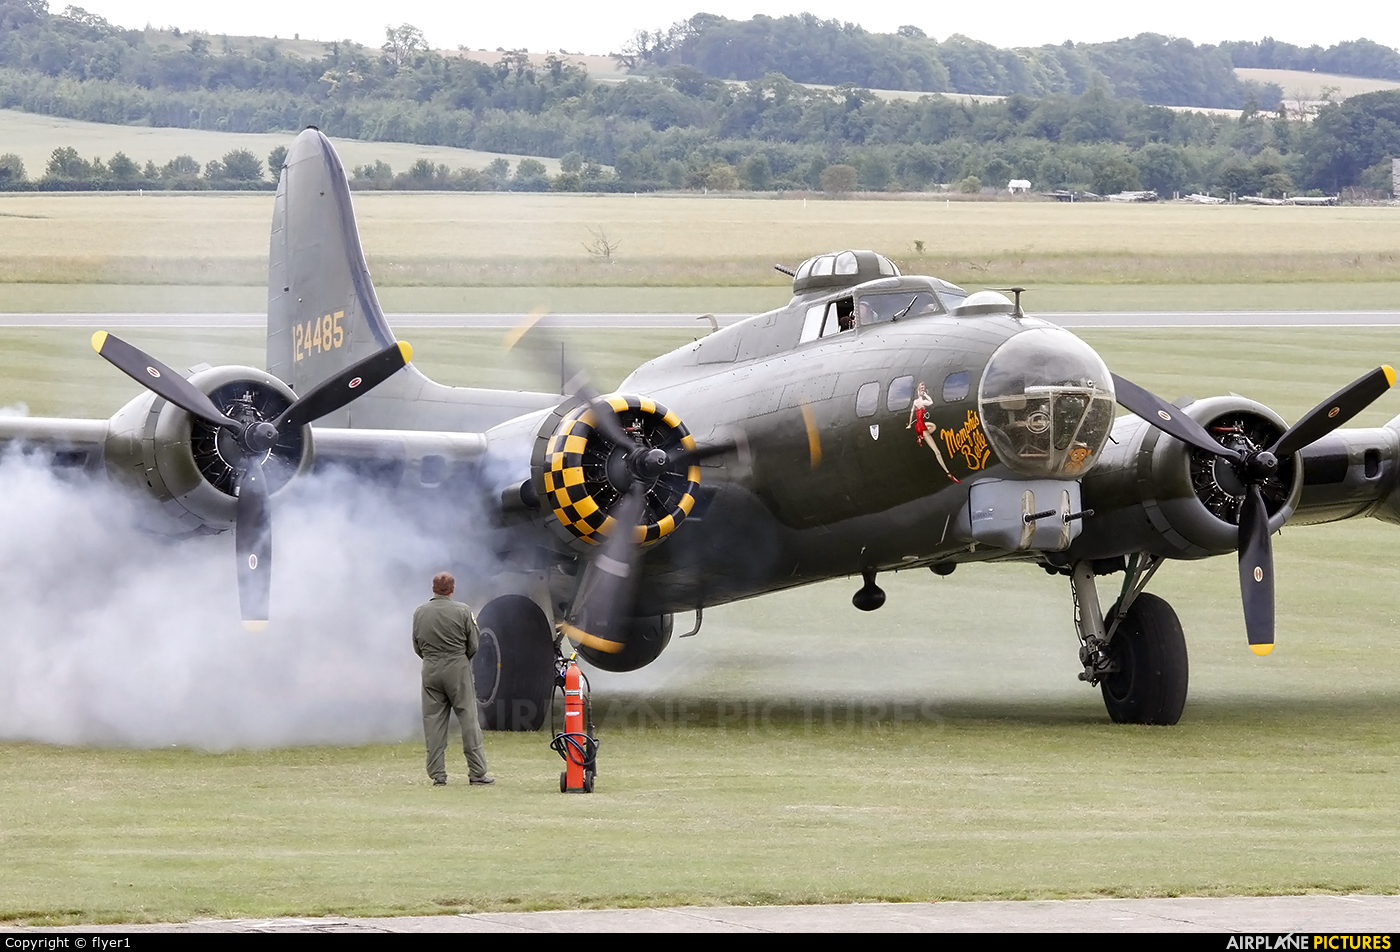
(98,340)
(1389,374)
(579,636)
(1261,650)
(523,328)
(254,626)
(406,349)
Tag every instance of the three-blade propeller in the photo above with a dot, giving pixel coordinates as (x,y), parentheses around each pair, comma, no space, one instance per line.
(598,614)
(253,442)
(1253,468)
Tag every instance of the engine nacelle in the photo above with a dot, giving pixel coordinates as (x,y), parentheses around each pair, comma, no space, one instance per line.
(646,638)
(1153,493)
(581,476)
(186,463)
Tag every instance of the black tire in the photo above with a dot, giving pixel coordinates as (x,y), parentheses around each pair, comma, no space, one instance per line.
(1149,686)
(514,666)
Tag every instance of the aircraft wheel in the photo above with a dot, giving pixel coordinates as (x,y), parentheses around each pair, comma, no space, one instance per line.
(1149,686)
(514,666)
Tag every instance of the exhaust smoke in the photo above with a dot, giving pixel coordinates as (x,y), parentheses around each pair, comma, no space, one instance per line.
(112,636)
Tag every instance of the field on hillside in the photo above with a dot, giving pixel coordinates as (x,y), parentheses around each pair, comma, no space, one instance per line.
(795,751)
(1304,85)
(34,137)
(487,241)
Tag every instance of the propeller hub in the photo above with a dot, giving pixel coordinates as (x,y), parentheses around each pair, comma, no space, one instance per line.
(650,464)
(1262,465)
(260,437)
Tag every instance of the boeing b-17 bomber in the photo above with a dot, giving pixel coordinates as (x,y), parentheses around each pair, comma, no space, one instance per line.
(878,422)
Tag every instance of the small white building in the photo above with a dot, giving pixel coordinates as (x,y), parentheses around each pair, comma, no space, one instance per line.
(1018,186)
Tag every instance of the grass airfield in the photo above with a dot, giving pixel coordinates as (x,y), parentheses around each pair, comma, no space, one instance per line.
(492,252)
(796,750)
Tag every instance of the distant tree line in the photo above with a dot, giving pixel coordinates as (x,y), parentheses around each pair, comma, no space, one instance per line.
(677,127)
(67,171)
(1156,69)
(1349,58)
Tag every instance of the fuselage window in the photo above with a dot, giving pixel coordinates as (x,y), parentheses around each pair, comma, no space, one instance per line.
(868,399)
(956,386)
(812,323)
(901,392)
(432,470)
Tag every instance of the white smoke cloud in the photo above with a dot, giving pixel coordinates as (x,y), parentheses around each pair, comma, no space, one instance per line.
(112,636)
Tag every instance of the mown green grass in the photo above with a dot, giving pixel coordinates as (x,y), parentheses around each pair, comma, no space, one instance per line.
(797,750)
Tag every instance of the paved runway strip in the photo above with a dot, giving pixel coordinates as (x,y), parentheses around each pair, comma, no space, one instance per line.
(692,321)
(1253,915)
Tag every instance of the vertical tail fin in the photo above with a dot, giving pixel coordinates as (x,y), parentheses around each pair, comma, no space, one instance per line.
(322,312)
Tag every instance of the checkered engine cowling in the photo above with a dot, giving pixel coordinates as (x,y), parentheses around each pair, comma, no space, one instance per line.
(585,475)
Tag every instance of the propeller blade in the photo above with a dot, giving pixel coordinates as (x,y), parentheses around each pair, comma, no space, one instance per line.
(253,543)
(605,592)
(1256,572)
(158,378)
(1167,418)
(681,457)
(1335,410)
(356,380)
(573,380)
(814,437)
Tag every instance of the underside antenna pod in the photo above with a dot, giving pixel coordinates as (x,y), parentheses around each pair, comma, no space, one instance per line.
(870,596)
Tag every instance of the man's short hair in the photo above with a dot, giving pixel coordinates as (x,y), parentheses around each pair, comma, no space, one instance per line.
(443,583)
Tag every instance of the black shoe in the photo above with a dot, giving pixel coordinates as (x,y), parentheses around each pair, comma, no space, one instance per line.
(440,783)
(483,781)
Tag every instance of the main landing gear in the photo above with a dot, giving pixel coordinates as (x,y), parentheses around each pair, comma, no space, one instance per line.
(514,666)
(1136,653)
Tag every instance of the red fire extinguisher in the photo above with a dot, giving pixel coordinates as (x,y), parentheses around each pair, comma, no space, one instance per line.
(576,742)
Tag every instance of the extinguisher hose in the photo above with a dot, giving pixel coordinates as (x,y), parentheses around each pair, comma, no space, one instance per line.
(577,748)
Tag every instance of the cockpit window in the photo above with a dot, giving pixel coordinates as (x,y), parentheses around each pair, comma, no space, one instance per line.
(886,266)
(846,263)
(805,269)
(877,308)
(952,299)
(1047,403)
(840,316)
(822,266)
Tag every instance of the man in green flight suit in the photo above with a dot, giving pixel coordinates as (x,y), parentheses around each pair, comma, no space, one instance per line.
(445,636)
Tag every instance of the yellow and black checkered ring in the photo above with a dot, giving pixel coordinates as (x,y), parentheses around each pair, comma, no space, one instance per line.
(566,486)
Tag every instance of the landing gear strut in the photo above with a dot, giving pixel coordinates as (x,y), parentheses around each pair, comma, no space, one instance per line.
(1138,659)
